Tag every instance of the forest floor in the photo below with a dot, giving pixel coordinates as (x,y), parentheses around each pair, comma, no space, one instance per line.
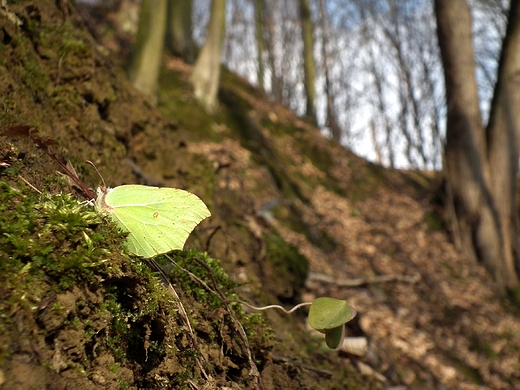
(295,216)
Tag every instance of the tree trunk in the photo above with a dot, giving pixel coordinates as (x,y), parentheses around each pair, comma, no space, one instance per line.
(179,38)
(503,135)
(481,170)
(308,58)
(259,20)
(331,119)
(275,85)
(206,73)
(143,69)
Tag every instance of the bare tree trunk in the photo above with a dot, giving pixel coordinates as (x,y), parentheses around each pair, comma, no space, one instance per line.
(409,103)
(308,58)
(144,66)
(128,16)
(379,158)
(483,185)
(331,119)
(503,136)
(276,82)
(381,106)
(259,19)
(206,73)
(179,38)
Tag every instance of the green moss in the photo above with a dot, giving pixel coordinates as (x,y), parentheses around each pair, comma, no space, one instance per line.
(319,154)
(48,223)
(434,222)
(28,70)
(482,347)
(367,178)
(264,151)
(290,268)
(187,261)
(278,129)
(232,80)
(321,157)
(512,300)
(195,122)
(291,217)
(471,373)
(198,282)
(65,98)
(60,39)
(55,243)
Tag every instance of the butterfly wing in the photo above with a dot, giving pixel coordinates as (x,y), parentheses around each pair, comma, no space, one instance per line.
(158,220)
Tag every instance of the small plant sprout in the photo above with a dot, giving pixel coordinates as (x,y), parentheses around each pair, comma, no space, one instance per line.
(329,316)
(326,315)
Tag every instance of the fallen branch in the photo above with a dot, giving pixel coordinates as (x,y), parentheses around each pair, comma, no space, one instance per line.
(293,362)
(323,278)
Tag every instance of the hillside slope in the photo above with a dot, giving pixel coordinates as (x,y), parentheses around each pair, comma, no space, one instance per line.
(294,216)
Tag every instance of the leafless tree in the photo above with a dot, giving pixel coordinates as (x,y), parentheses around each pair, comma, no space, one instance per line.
(482,161)
(331,120)
(378,80)
(307,31)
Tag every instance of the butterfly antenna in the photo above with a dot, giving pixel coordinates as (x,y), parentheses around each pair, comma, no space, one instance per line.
(97,170)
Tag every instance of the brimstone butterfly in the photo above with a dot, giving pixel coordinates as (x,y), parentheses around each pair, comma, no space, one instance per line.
(158,220)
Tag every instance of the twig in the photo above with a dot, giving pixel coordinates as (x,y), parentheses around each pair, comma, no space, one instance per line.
(221,294)
(60,63)
(45,143)
(308,367)
(171,290)
(253,368)
(30,185)
(323,278)
(139,173)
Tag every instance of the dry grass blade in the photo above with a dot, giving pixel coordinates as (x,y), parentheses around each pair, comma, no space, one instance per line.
(164,278)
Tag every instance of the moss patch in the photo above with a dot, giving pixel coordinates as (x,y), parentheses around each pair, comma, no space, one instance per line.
(288,269)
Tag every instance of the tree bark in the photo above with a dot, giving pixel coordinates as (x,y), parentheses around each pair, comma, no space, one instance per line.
(276,89)
(145,63)
(206,73)
(331,120)
(308,58)
(260,44)
(179,39)
(503,135)
(481,165)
